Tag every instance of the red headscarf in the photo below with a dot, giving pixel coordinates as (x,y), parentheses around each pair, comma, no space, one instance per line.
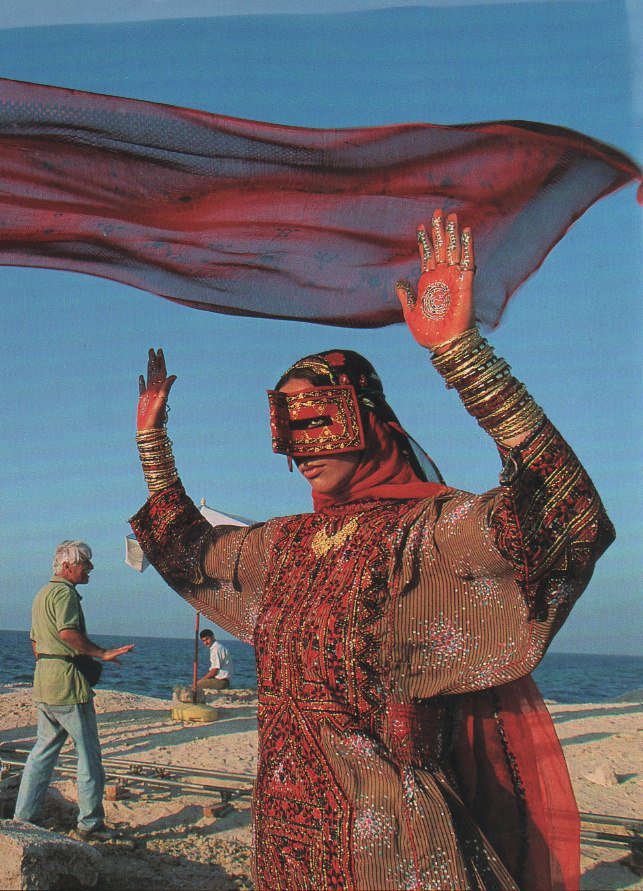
(383,471)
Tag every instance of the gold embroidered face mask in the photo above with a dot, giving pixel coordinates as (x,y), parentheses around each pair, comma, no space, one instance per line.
(320,421)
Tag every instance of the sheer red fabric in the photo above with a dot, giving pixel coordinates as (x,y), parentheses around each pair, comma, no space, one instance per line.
(266,220)
(514,781)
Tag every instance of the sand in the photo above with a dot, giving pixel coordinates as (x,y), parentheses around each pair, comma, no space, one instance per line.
(169,841)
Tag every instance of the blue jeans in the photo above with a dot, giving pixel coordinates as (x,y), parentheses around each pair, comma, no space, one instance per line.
(55,724)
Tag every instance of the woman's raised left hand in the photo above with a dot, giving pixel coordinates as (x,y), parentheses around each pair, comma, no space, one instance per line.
(443,305)
(153,392)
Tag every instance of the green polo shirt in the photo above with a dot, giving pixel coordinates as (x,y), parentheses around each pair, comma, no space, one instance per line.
(55,608)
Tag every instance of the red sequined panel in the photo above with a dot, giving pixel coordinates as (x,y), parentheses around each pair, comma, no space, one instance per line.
(317,668)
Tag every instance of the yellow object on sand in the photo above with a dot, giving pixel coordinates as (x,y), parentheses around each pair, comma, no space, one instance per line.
(194,712)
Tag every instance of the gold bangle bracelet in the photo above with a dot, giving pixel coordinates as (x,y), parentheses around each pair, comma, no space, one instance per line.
(460,375)
(157,459)
(514,405)
(510,404)
(487,400)
(152,434)
(525,422)
(458,344)
(500,403)
(459,363)
(490,376)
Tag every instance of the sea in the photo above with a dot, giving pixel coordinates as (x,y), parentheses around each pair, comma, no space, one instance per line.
(157,665)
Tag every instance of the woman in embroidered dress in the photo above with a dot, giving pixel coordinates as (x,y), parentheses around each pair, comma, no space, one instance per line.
(401,741)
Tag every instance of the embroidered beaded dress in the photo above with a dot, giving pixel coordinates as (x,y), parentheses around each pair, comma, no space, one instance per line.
(370,620)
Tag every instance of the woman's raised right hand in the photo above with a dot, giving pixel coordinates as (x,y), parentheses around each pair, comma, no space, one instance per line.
(442,306)
(152,402)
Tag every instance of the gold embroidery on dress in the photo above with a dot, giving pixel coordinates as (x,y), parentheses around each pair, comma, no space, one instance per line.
(322,542)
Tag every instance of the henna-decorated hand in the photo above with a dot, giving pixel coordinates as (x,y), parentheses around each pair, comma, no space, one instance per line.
(152,403)
(443,306)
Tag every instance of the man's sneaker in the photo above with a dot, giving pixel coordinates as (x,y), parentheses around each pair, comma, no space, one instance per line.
(97,833)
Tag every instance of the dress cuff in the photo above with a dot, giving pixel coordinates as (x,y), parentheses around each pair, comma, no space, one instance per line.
(172,533)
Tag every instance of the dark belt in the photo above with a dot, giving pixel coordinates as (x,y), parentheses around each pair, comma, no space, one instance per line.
(65,658)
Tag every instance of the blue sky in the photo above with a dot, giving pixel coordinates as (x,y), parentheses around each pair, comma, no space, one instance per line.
(73,346)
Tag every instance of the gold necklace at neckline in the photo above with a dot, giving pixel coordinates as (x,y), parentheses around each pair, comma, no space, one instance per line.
(322,542)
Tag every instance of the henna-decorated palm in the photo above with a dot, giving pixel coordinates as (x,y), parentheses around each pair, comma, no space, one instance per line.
(152,403)
(443,305)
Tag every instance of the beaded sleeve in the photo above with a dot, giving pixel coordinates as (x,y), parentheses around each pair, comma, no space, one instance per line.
(172,533)
(218,569)
(549,522)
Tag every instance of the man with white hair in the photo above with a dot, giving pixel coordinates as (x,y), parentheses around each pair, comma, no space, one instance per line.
(63,693)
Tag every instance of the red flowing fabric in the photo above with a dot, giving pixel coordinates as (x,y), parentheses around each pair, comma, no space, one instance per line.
(265,220)
(515,783)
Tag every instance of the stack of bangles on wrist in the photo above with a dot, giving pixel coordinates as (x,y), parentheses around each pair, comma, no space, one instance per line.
(500,404)
(155,449)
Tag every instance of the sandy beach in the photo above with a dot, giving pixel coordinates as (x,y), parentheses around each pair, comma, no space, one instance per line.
(170,840)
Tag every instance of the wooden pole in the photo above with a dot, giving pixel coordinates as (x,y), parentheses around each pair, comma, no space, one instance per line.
(195,667)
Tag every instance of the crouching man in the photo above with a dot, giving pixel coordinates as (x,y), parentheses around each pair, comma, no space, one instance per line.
(220,673)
